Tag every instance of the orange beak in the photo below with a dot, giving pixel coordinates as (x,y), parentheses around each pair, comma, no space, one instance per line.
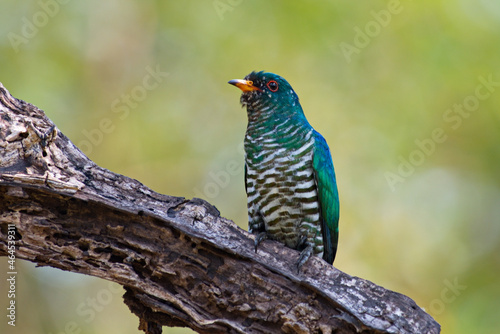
(244,85)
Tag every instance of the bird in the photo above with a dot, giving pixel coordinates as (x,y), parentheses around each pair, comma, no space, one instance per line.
(290,182)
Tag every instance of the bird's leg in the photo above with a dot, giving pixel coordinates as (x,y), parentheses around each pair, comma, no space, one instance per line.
(305,254)
(258,228)
(259,238)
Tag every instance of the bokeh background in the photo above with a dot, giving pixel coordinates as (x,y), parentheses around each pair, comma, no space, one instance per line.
(407,94)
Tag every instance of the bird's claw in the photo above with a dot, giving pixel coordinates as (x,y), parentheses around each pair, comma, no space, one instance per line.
(259,238)
(304,256)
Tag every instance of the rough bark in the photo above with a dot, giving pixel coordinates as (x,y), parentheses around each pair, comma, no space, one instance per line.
(181,263)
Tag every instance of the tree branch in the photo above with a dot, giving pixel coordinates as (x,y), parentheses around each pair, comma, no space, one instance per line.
(181,263)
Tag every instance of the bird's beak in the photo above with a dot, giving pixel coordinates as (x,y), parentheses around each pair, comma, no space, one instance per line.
(244,85)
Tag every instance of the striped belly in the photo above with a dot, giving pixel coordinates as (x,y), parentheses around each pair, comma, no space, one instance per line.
(282,196)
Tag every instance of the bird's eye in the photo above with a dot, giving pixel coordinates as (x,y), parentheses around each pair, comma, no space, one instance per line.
(272,85)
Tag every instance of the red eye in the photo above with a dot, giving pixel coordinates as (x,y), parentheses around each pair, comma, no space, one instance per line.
(272,85)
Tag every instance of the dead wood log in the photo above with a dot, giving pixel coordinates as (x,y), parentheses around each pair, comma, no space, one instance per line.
(181,263)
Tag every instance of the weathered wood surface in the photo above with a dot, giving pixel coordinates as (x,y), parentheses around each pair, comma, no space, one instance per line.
(180,262)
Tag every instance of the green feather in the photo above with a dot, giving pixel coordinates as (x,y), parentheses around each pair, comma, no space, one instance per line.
(328,196)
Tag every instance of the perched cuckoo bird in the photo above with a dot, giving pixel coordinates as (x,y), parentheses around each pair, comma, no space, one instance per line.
(289,175)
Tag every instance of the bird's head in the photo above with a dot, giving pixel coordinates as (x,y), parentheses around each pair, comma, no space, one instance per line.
(267,90)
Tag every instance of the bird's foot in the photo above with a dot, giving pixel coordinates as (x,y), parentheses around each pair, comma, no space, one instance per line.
(259,238)
(304,256)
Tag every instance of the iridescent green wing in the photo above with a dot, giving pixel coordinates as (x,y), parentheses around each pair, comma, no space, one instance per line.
(328,196)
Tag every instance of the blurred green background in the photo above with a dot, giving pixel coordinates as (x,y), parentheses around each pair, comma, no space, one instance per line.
(399,90)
